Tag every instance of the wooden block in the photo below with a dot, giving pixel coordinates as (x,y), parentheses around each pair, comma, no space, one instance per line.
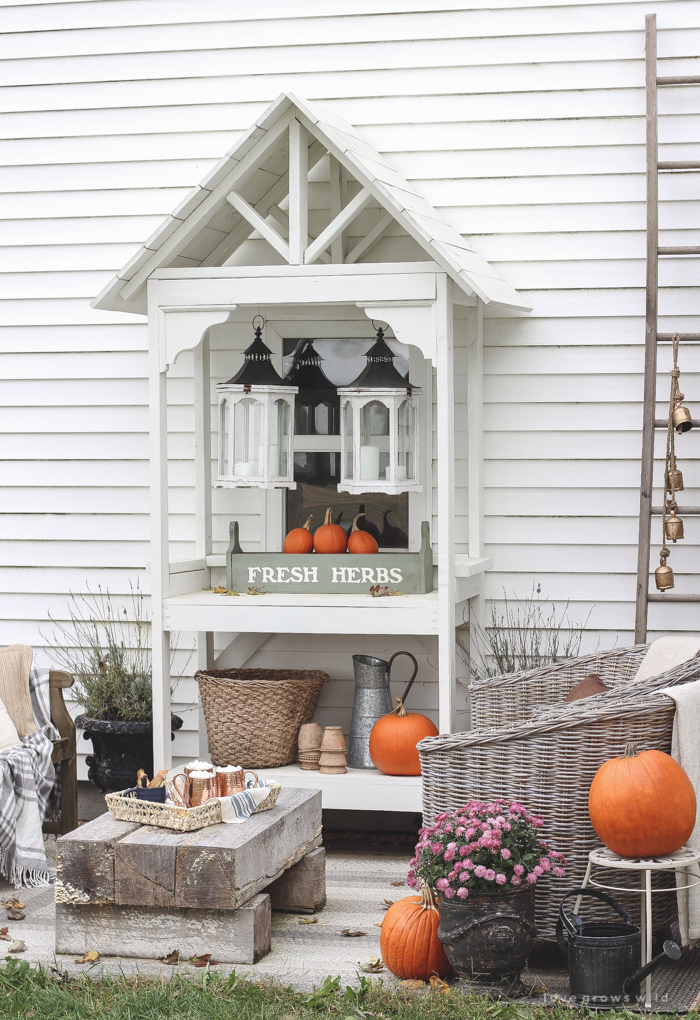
(220,867)
(238,936)
(302,888)
(85,860)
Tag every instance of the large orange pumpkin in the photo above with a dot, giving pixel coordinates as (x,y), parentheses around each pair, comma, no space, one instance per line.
(299,540)
(392,742)
(330,537)
(409,944)
(642,805)
(361,541)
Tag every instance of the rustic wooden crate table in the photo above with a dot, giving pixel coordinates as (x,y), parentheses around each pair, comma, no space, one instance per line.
(138,890)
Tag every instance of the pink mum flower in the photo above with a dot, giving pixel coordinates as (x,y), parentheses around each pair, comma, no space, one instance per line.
(449,893)
(449,855)
(451,846)
(490,875)
(436,848)
(515,880)
(501,879)
(442,884)
(518,869)
(462,892)
(559,872)
(532,878)
(505,853)
(479,871)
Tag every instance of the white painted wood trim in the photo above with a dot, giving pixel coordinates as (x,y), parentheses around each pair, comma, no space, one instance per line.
(368,242)
(259,223)
(239,650)
(444,346)
(282,218)
(205,660)
(336,200)
(233,273)
(160,569)
(298,192)
(337,226)
(475,426)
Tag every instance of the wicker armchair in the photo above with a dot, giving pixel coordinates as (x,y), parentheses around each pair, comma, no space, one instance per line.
(528,746)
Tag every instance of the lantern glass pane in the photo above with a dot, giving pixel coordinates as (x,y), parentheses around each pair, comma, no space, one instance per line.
(279,439)
(247,433)
(224,433)
(347,452)
(405,467)
(374,441)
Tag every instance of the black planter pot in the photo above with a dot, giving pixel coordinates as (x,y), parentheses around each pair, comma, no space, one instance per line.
(489,936)
(121,749)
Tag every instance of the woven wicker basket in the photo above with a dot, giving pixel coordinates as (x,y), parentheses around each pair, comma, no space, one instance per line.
(172,816)
(253,716)
(528,746)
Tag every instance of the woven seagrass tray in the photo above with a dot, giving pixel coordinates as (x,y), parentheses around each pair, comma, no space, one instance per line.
(171,816)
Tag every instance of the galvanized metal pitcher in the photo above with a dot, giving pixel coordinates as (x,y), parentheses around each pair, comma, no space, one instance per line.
(372,700)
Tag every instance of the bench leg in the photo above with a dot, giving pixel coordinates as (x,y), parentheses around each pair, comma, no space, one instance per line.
(302,888)
(69,794)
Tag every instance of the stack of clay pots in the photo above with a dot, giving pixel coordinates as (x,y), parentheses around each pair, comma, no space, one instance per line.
(310,746)
(332,760)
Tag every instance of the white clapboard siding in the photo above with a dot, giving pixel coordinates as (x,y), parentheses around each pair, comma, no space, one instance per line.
(522,124)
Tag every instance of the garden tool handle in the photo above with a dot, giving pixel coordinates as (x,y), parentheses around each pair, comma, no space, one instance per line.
(413,677)
(573,928)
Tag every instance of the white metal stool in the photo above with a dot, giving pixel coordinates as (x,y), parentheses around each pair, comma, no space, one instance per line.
(604,858)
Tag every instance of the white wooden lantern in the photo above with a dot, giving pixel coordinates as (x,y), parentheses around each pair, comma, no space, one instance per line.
(379,428)
(256,424)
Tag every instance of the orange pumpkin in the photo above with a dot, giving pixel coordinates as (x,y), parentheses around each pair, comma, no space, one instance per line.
(330,537)
(392,742)
(299,540)
(361,541)
(409,943)
(642,805)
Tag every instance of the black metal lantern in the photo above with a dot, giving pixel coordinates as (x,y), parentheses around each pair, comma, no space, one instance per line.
(379,427)
(317,405)
(256,423)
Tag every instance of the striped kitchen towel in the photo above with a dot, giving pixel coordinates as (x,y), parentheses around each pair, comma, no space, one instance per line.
(241,805)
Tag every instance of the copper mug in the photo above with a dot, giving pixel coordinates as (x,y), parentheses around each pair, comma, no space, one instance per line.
(228,783)
(193,791)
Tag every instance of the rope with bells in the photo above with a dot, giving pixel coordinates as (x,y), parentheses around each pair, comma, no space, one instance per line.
(672,526)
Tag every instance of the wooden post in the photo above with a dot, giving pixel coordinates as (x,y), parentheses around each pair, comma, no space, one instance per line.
(475,426)
(298,192)
(160,555)
(338,244)
(446,502)
(202,502)
(652,284)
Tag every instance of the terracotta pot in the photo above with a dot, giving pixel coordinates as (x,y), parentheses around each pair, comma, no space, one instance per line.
(333,739)
(489,936)
(310,736)
(332,758)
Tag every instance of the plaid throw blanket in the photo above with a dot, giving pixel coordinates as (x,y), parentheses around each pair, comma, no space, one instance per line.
(26,779)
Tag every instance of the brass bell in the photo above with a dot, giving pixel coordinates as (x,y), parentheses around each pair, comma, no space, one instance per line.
(663,576)
(682,421)
(674,526)
(674,480)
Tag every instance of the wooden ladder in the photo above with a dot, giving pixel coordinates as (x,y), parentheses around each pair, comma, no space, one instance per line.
(653,337)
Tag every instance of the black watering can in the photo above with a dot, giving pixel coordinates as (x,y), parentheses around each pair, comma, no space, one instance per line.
(604,957)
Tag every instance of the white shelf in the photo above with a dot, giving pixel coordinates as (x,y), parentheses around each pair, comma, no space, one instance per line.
(357,790)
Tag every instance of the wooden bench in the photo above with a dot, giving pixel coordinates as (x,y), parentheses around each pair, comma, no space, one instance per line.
(132,890)
(64,751)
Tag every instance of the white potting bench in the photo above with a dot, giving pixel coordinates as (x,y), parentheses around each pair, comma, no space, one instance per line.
(186,293)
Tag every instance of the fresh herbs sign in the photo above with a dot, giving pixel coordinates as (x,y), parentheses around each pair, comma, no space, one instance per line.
(409,573)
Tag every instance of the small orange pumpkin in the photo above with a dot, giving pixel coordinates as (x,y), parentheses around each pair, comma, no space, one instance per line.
(299,540)
(330,537)
(392,742)
(642,805)
(409,943)
(360,542)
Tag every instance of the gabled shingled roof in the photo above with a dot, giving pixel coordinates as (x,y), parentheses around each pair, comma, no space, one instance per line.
(205,223)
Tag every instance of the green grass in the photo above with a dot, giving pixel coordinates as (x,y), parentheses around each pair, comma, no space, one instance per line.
(27,993)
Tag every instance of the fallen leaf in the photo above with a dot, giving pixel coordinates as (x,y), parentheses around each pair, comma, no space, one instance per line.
(309,920)
(373,965)
(386,904)
(221,590)
(232,592)
(438,985)
(207,589)
(397,883)
(202,961)
(412,983)
(5,935)
(172,958)
(92,956)
(13,904)
(351,934)
(15,915)
(378,924)
(17,946)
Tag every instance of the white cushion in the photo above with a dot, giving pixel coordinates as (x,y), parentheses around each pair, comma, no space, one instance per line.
(9,737)
(665,653)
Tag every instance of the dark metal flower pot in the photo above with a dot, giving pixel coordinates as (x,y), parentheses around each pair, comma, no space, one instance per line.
(120,750)
(489,936)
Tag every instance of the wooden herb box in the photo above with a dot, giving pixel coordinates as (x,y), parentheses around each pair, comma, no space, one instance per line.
(329,574)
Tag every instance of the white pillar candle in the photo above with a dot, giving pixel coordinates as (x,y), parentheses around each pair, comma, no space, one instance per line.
(274,460)
(369,463)
(400,472)
(243,467)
